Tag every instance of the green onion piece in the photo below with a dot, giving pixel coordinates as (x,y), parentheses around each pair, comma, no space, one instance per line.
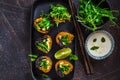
(73,57)
(44,75)
(32,59)
(33,55)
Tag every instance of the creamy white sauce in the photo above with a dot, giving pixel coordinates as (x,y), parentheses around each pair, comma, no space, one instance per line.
(104,47)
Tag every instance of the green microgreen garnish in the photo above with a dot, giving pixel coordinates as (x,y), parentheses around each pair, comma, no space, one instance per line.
(64,40)
(64,68)
(73,57)
(92,15)
(43,45)
(102,39)
(45,23)
(94,40)
(33,57)
(44,63)
(44,75)
(94,48)
(59,13)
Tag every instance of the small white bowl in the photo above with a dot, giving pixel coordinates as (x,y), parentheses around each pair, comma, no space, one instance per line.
(99,44)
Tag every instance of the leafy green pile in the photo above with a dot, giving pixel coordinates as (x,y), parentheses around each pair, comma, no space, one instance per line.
(59,13)
(92,15)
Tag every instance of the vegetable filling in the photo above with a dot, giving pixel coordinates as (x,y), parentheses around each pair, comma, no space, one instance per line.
(44,63)
(64,40)
(43,23)
(43,45)
(64,68)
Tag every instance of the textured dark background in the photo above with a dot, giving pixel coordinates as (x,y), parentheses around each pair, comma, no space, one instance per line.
(15,45)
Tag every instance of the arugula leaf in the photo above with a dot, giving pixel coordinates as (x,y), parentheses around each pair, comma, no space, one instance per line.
(92,15)
(94,48)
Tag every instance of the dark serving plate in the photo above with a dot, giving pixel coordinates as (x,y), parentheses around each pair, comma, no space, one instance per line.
(43,6)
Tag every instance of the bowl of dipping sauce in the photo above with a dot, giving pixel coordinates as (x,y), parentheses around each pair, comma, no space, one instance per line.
(99,44)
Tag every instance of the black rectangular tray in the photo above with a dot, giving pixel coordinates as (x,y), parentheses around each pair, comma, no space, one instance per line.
(43,6)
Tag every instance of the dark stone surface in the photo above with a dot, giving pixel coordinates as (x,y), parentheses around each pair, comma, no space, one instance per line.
(15,45)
